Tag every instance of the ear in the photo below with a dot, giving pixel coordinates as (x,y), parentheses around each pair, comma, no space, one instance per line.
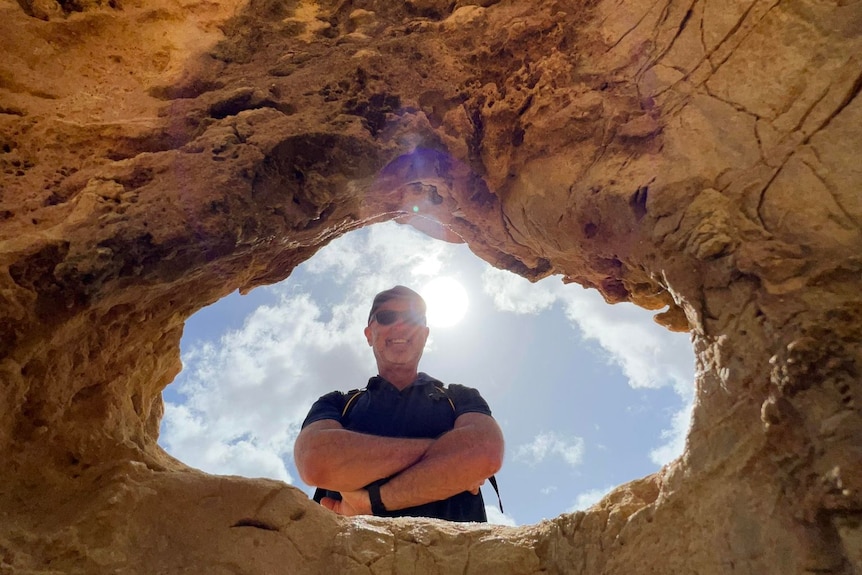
(368,335)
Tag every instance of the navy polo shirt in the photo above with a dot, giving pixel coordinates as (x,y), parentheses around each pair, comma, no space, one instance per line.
(421,410)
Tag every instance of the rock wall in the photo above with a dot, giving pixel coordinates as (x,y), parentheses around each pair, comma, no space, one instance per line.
(693,156)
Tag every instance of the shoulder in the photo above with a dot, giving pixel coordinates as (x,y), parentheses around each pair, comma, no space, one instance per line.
(335,397)
(456,390)
(328,406)
(467,399)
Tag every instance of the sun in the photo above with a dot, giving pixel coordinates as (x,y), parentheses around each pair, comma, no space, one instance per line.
(447,301)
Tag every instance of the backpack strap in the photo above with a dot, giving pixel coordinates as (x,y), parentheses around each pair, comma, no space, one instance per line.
(493,481)
(446,395)
(318,494)
(353,395)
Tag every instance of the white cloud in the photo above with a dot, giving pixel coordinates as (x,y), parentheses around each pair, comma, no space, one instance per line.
(649,355)
(244,394)
(513,293)
(497,517)
(674,437)
(339,260)
(247,392)
(545,444)
(401,249)
(589,498)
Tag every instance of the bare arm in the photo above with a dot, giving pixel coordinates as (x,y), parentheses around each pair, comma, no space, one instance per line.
(459,460)
(331,457)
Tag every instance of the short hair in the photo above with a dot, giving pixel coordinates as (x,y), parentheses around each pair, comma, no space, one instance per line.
(398,292)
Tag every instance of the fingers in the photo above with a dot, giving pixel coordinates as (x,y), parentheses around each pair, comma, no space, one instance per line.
(475,490)
(337,506)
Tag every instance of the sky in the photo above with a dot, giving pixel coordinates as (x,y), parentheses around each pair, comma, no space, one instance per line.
(588,395)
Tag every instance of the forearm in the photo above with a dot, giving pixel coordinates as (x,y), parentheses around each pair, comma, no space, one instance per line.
(458,461)
(342,460)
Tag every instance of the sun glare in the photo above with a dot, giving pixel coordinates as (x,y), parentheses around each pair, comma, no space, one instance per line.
(447,301)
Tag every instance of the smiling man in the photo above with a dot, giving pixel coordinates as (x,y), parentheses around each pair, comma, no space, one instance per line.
(406,444)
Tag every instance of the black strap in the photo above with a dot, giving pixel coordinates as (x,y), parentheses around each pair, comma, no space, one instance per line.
(493,481)
(377,507)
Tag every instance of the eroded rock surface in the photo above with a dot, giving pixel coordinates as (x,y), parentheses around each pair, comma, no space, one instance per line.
(697,157)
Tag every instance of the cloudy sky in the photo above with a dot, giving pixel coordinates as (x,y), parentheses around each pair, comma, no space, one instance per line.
(588,395)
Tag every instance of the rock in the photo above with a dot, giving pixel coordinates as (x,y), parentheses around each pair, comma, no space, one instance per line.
(698,159)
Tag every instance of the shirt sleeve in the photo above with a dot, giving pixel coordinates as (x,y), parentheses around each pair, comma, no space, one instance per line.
(328,406)
(467,400)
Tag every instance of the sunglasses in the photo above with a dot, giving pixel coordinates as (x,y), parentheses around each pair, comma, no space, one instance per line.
(389,316)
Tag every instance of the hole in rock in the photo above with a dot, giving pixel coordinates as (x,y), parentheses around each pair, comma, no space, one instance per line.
(589,395)
(256,524)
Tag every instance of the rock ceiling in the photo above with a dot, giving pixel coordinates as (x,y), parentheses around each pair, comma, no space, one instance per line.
(696,157)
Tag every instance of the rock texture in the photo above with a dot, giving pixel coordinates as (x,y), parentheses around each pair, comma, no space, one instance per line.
(694,156)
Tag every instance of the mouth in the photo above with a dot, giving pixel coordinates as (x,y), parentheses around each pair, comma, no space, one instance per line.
(398,341)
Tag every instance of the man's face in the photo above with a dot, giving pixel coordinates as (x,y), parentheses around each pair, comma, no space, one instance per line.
(400,343)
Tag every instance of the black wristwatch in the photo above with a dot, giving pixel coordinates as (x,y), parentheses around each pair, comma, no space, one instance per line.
(377,507)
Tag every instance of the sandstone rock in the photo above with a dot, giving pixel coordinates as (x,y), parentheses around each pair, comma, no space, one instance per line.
(699,157)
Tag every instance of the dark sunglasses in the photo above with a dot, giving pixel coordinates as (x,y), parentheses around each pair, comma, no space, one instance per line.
(390,316)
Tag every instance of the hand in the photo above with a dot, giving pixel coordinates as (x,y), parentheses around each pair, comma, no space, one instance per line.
(352,503)
(475,489)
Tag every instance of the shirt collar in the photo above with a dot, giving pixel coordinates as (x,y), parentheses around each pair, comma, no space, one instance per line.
(422,379)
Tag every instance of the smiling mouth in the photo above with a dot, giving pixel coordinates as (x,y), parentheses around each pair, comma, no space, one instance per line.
(398,341)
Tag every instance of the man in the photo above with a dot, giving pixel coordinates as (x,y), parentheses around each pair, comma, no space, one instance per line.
(406,445)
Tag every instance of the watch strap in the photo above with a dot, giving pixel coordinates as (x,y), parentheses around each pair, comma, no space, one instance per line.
(377,507)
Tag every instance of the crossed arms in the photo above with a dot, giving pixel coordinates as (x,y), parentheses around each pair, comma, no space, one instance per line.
(422,470)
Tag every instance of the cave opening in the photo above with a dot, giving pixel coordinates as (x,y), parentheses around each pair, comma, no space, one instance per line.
(589,395)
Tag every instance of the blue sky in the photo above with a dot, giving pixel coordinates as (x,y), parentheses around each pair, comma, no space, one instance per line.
(589,395)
